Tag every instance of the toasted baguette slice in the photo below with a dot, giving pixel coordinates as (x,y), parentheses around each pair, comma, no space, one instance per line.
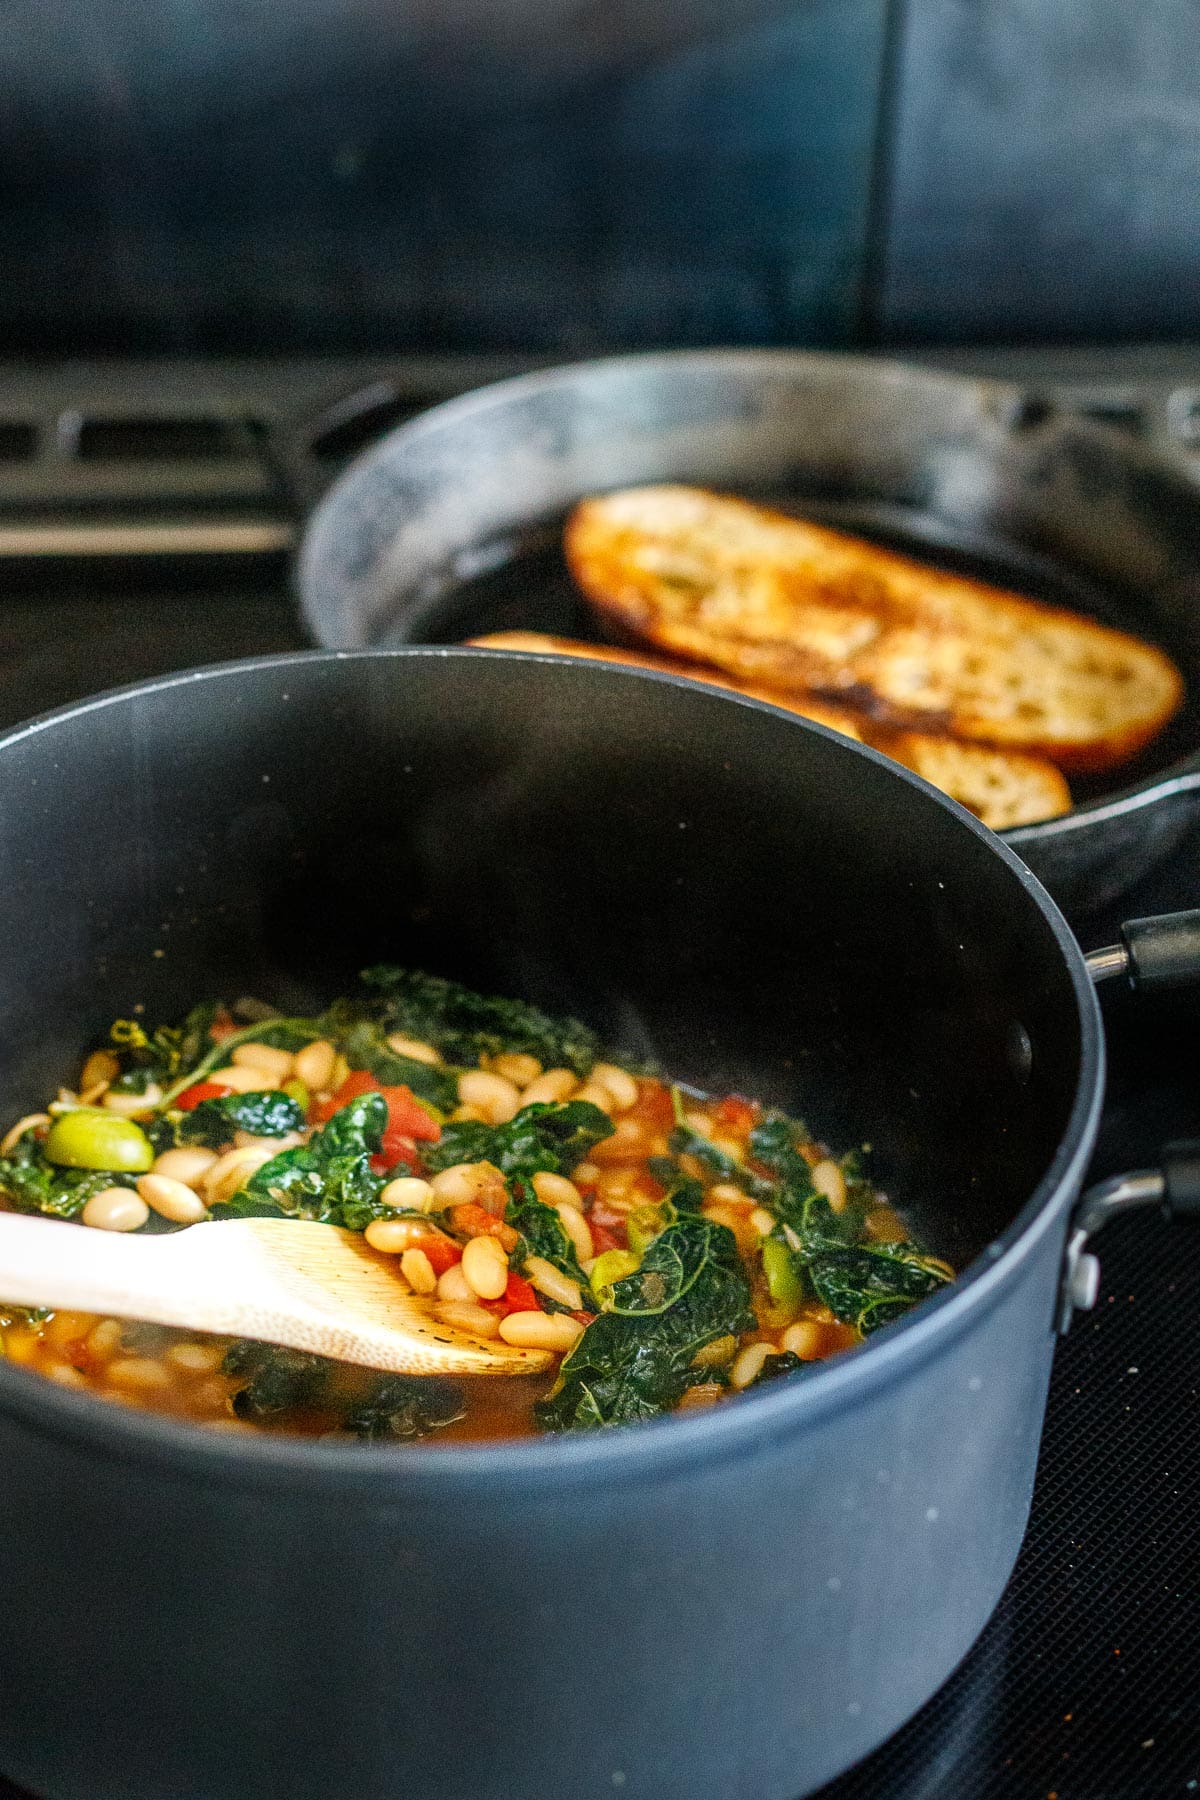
(796,606)
(1002,787)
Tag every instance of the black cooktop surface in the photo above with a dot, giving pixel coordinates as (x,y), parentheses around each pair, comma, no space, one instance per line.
(1086,1684)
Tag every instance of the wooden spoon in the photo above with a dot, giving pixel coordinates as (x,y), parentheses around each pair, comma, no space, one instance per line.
(309,1286)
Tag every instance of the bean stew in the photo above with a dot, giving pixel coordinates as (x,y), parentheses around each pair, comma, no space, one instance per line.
(671,1248)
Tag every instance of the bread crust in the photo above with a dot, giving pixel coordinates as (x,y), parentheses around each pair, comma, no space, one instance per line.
(1003,788)
(800,608)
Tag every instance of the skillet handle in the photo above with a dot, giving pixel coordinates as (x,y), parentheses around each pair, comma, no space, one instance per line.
(1174,1187)
(1162,952)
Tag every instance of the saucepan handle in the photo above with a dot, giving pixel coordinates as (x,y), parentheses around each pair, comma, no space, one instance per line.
(1173,1187)
(1163,952)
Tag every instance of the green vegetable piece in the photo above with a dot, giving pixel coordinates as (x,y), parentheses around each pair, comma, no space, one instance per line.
(635,1362)
(550,1139)
(868,1286)
(610,1267)
(542,1234)
(686,1142)
(91,1138)
(784,1282)
(786,1362)
(296,1090)
(364,1047)
(465,1026)
(329,1179)
(266,1112)
(404,1407)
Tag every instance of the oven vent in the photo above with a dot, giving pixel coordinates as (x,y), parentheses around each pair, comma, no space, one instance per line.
(1121,415)
(162,439)
(18,441)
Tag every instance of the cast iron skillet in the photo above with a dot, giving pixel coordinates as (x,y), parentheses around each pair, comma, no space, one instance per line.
(728,1607)
(450,525)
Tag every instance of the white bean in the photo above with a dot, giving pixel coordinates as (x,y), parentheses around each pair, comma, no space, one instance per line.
(173,1199)
(189,1163)
(413,1048)
(495,1097)
(417,1270)
(747,1364)
(241,1079)
(486,1267)
(577,1229)
(540,1331)
(314,1064)
(550,1089)
(130,1105)
(231,1171)
(452,1284)
(828,1179)
(408,1193)
(804,1339)
(553,1283)
(620,1084)
(556,1190)
(395,1236)
(277,1063)
(466,1315)
(116,1209)
(516,1066)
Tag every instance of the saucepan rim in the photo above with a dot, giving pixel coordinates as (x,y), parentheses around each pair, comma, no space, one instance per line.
(991,394)
(655,1449)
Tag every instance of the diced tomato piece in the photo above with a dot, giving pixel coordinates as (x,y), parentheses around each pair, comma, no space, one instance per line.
(470,1220)
(518,1296)
(356,1083)
(200,1090)
(653,1106)
(735,1114)
(406,1116)
(604,1238)
(397,1147)
(441,1252)
(222,1027)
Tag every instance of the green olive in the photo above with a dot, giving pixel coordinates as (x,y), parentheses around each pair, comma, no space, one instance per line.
(91,1138)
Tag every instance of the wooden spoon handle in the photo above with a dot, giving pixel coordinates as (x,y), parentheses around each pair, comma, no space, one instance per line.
(48,1262)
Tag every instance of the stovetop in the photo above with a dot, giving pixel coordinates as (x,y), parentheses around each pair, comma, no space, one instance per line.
(147,513)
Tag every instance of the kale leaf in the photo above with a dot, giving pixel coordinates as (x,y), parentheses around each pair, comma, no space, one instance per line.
(785,1363)
(686,1142)
(636,1362)
(543,1234)
(364,1047)
(266,1113)
(34,1185)
(329,1179)
(465,1026)
(540,1138)
(160,1055)
(868,1286)
(277,1379)
(403,1407)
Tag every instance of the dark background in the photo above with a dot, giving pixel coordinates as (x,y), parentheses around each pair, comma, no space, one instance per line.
(563,176)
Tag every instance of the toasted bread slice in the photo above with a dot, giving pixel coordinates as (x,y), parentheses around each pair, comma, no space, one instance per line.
(795,606)
(1002,787)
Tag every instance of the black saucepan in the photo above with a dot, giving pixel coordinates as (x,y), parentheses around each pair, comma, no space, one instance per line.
(451,525)
(727,1607)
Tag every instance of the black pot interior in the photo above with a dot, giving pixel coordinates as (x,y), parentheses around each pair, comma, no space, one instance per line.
(759,906)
